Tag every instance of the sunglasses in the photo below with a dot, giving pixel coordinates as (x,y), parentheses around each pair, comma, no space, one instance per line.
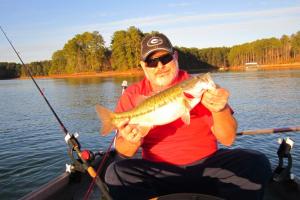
(165,59)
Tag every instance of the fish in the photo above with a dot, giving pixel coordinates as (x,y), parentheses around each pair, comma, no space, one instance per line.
(162,108)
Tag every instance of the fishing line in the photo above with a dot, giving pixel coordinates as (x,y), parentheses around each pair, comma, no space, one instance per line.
(86,196)
(39,89)
(99,170)
(69,138)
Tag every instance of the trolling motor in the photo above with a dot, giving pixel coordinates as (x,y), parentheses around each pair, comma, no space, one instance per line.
(282,173)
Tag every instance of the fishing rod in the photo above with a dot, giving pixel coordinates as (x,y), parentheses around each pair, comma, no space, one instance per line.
(270,131)
(106,155)
(69,138)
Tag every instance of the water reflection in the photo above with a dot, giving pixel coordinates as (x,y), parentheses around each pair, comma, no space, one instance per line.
(32,145)
(100,80)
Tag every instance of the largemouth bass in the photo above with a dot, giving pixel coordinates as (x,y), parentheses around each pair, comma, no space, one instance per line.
(162,108)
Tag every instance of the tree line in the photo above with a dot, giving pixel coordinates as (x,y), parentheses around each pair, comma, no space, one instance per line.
(87,52)
(9,70)
(267,51)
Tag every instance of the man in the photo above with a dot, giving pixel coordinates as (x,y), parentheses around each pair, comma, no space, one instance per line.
(177,158)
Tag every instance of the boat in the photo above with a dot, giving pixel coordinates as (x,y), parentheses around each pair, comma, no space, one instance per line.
(75,184)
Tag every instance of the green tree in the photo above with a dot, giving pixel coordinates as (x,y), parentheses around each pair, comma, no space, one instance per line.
(59,63)
(125,47)
(118,47)
(133,45)
(9,70)
(295,46)
(83,53)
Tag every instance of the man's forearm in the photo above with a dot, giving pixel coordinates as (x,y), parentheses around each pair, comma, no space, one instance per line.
(225,126)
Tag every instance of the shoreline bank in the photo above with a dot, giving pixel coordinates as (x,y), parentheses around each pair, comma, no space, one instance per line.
(268,67)
(91,74)
(141,73)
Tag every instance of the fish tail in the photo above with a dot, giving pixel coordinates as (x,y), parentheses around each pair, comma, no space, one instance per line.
(106,116)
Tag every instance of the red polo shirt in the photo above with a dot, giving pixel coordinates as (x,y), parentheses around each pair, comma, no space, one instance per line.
(174,143)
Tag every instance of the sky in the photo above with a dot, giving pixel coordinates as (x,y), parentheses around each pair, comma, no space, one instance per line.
(38,28)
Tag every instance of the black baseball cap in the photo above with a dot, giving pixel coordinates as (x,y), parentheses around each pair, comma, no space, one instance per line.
(155,42)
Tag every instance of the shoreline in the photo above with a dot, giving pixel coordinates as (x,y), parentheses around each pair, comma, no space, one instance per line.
(138,72)
(268,67)
(91,74)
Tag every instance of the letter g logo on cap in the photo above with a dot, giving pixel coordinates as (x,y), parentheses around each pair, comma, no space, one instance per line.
(154,41)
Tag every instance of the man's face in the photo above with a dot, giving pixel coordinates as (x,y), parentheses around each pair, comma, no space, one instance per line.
(163,74)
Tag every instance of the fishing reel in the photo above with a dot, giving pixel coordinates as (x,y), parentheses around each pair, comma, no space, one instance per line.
(282,173)
(87,155)
(81,157)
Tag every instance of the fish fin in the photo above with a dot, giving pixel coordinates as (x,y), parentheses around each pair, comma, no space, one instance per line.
(190,103)
(187,103)
(105,116)
(186,116)
(144,130)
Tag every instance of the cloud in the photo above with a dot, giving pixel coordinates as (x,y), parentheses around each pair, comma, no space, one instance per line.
(161,21)
(194,22)
(229,34)
(198,30)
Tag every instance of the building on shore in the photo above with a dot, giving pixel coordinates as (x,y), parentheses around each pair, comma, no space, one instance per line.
(251,66)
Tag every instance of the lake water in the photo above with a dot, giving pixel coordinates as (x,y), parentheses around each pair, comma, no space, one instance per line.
(32,147)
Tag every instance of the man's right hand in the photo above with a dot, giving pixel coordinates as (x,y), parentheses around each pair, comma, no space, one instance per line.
(129,132)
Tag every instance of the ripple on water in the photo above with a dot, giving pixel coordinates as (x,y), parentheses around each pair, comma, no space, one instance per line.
(33,152)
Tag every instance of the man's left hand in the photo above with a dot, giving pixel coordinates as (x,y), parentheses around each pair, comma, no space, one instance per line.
(215,100)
